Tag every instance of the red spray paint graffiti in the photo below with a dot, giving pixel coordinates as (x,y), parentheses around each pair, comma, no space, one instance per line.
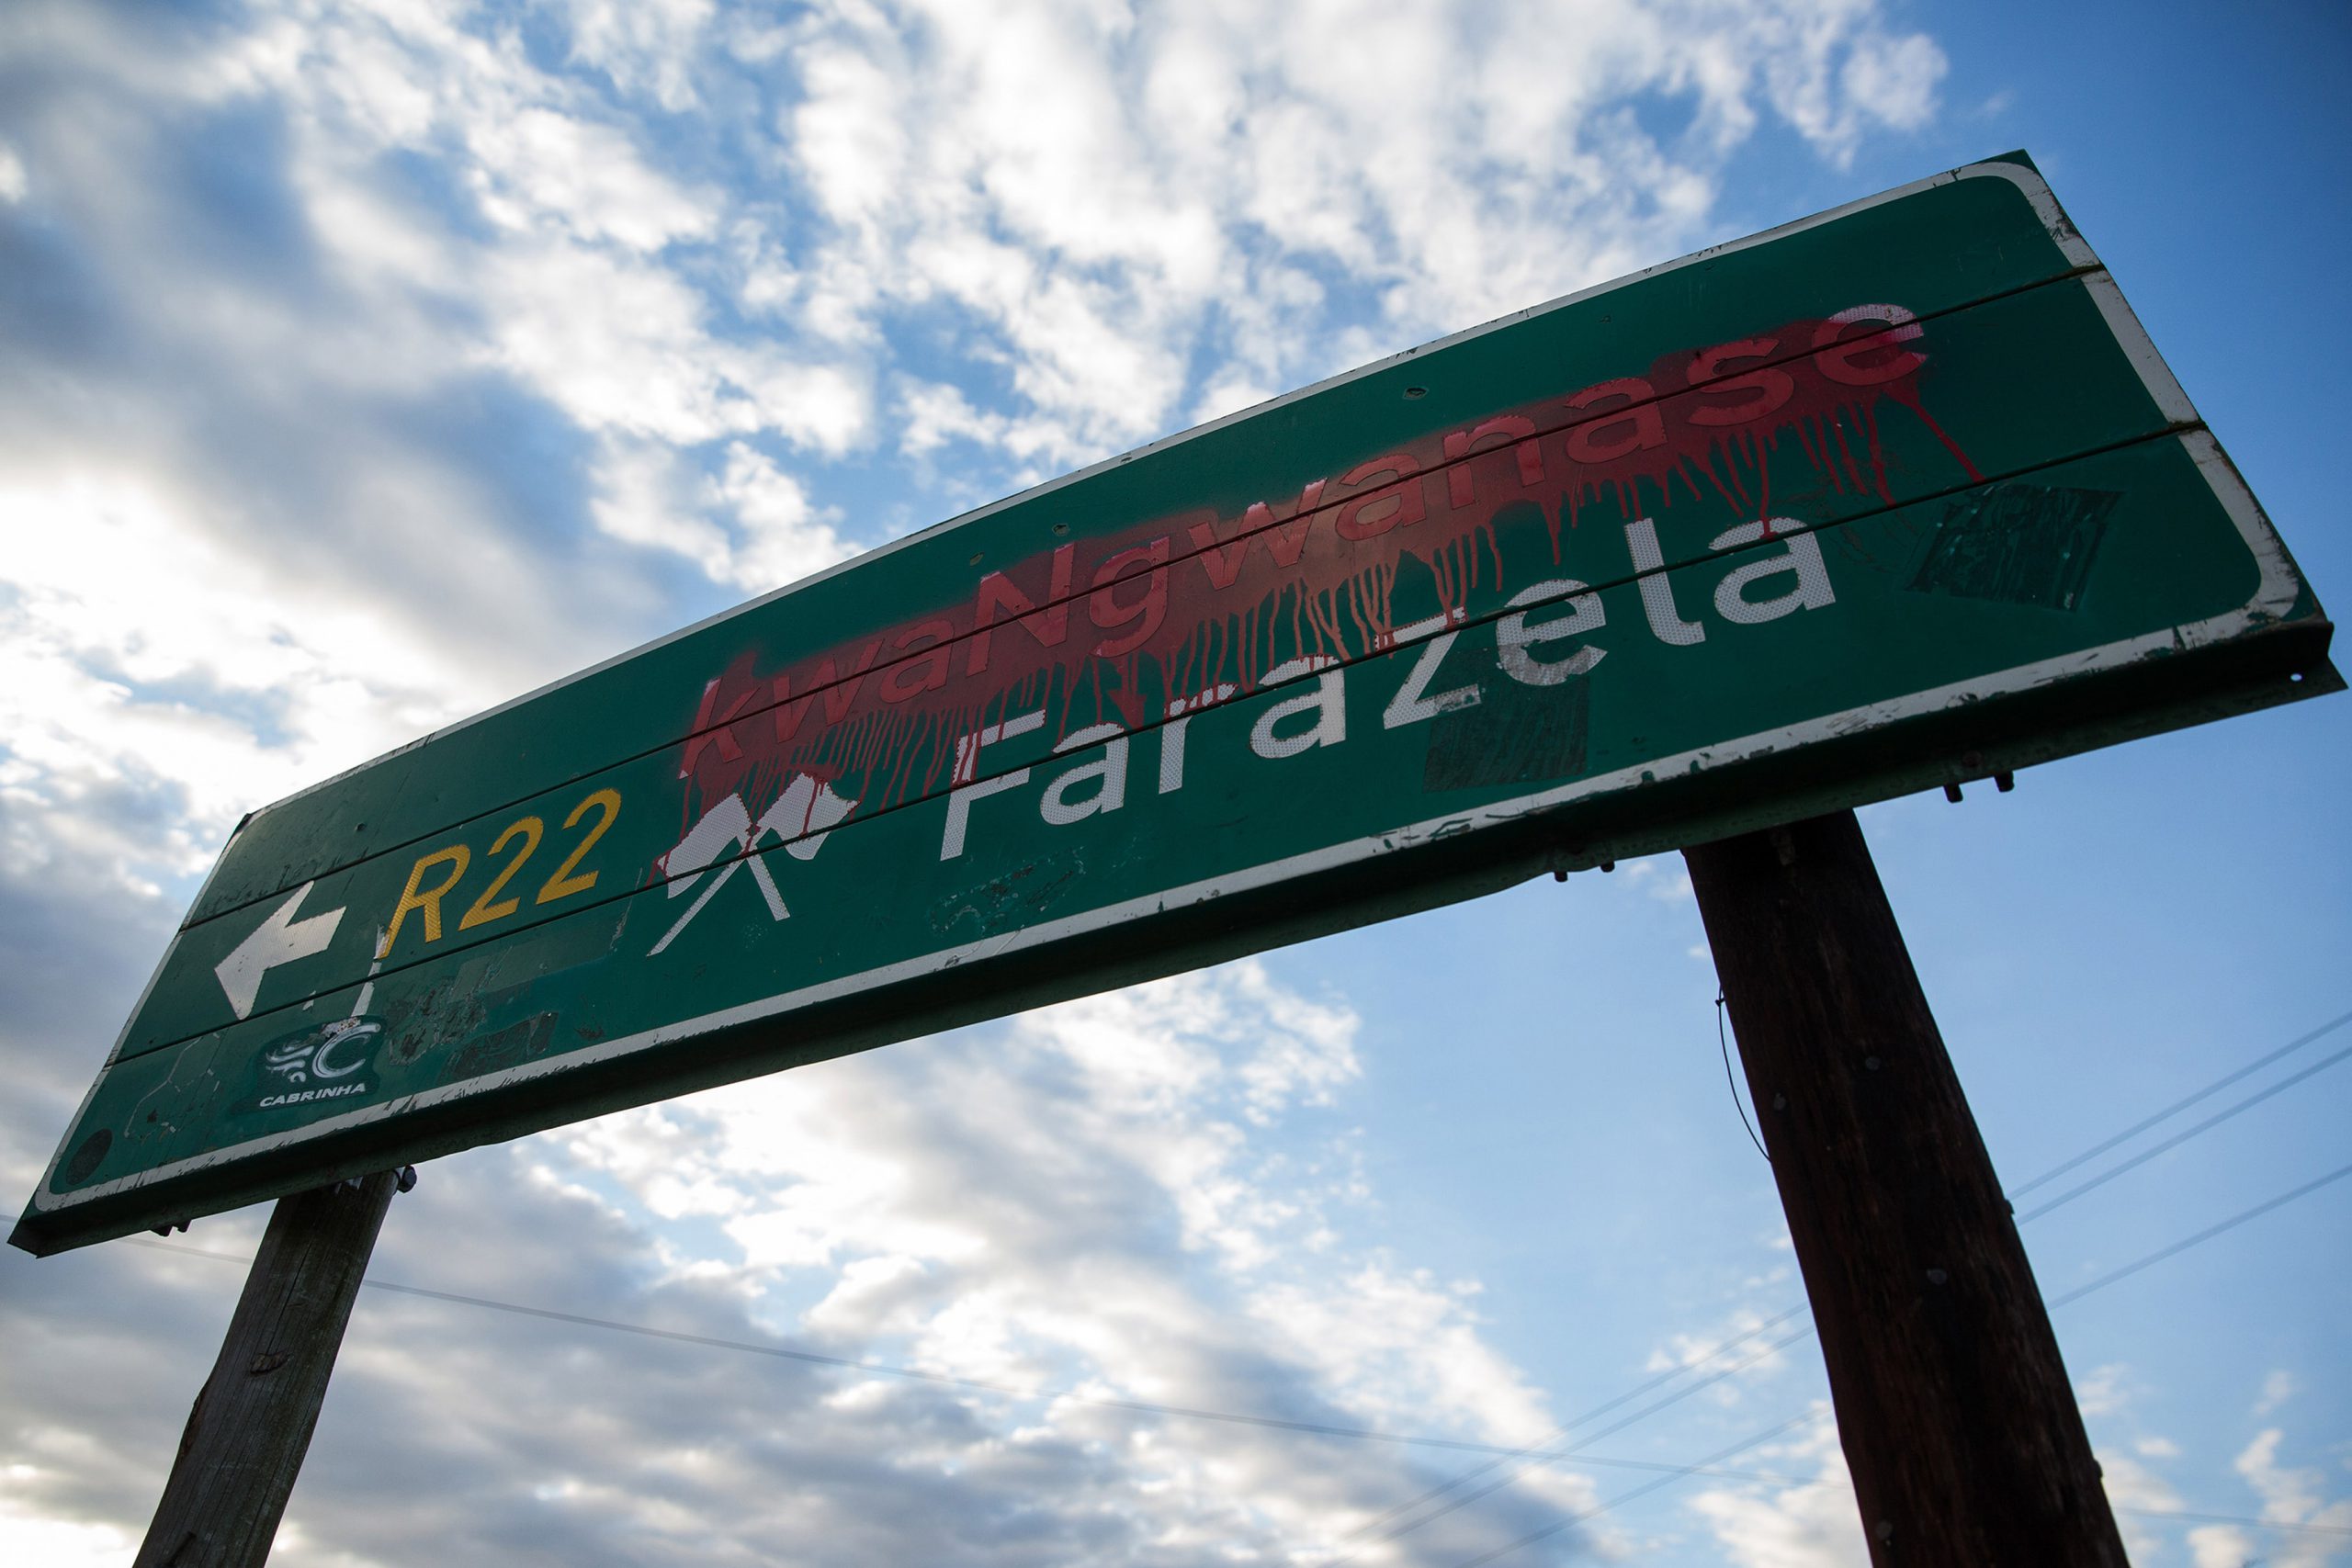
(1202,605)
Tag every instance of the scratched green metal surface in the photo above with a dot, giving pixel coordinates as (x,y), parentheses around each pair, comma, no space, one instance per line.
(2005,416)
(1608,656)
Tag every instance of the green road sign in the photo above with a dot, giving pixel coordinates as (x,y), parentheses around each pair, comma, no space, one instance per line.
(1896,496)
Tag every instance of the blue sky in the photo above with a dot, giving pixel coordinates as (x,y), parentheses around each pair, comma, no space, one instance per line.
(371,365)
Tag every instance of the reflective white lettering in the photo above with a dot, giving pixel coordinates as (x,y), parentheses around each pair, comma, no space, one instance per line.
(1801,555)
(1413,702)
(1327,702)
(1108,772)
(1514,636)
(1657,594)
(1171,734)
(961,799)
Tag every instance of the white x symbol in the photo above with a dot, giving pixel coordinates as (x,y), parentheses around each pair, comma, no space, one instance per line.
(801,817)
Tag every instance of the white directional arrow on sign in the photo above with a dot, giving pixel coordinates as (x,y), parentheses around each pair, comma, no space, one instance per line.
(281,939)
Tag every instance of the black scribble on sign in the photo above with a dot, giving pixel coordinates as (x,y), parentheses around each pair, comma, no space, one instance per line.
(509,1047)
(1513,734)
(1015,899)
(89,1157)
(2019,544)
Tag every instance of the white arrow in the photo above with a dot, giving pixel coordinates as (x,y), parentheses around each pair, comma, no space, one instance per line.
(281,939)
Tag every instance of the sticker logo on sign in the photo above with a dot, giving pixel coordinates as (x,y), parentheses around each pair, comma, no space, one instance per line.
(324,1061)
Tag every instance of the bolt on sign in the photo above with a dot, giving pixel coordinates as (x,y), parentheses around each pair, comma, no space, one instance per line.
(1896,496)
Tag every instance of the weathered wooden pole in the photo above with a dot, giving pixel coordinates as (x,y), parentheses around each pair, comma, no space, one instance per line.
(253,1419)
(1959,1425)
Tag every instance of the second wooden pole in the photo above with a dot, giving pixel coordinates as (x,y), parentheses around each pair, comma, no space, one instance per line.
(1958,1425)
(253,1419)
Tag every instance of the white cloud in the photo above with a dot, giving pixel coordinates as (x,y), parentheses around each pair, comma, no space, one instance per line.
(26,1537)
(1233,391)
(784,536)
(1812,1525)
(143,653)
(537,164)
(1880,82)
(1106,196)
(1743,1328)
(2290,1495)
(2132,1487)
(645,495)
(643,45)
(249,545)
(1082,1202)
(619,344)
(1662,877)
(2276,1389)
(650,496)
(593,286)
(2105,1392)
(2223,1546)
(1894,80)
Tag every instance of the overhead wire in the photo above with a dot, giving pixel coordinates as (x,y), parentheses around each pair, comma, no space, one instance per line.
(1503,1454)
(2290,1525)
(1555,1456)
(1682,1473)
(2204,1236)
(1046,1395)
(1723,1044)
(2162,1252)
(2177,1106)
(2234,1075)
(1562,1430)
(880,1368)
(2144,1156)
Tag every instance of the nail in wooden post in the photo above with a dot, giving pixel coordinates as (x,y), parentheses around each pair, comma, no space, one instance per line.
(252,1423)
(1959,1427)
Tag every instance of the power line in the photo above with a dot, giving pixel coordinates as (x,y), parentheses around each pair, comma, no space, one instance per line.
(2235,1519)
(1052,1395)
(2177,1106)
(1680,1473)
(883,1368)
(1672,1474)
(1504,1455)
(2173,1109)
(2206,1235)
(2144,1156)
(1571,1454)
(1562,1430)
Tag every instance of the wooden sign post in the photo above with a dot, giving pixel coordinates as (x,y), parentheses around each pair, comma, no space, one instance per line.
(253,1419)
(1959,1427)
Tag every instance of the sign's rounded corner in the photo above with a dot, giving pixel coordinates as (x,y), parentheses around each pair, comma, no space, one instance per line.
(2020,169)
